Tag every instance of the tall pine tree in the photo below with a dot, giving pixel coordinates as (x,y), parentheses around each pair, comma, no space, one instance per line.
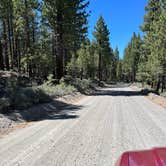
(104,51)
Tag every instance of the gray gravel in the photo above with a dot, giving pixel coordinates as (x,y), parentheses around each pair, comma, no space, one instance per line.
(5,124)
(107,124)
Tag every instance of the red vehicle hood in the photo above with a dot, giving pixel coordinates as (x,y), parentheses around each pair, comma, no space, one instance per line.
(154,157)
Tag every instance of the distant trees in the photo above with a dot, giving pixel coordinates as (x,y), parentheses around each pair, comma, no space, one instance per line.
(116,61)
(81,63)
(131,58)
(119,72)
(96,59)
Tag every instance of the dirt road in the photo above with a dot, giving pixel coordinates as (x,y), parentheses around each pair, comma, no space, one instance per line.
(95,133)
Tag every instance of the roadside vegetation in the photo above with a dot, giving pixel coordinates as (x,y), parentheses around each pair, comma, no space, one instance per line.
(18,92)
(146,89)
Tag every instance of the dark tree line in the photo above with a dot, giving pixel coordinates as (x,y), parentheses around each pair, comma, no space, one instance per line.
(37,37)
(45,37)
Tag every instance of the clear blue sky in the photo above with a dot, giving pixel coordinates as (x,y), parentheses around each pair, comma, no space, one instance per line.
(123,17)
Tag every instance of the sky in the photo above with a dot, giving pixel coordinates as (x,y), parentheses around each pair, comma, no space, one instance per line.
(123,17)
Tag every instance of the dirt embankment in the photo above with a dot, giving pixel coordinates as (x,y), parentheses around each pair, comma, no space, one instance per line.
(153,97)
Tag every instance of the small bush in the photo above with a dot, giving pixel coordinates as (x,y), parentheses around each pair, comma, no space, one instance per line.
(51,81)
(58,90)
(21,101)
(27,97)
(82,85)
(4,104)
(163,94)
(43,97)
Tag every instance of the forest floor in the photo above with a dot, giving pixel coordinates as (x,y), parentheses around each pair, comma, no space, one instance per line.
(95,130)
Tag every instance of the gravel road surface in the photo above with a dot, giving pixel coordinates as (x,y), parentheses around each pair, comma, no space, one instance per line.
(95,133)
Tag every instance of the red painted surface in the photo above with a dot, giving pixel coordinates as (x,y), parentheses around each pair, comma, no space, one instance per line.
(154,157)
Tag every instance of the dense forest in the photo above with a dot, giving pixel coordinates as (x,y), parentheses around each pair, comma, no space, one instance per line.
(145,58)
(49,37)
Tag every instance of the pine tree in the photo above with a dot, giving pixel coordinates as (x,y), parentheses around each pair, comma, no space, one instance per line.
(67,20)
(22,34)
(157,58)
(119,72)
(115,64)
(101,35)
(6,44)
(132,57)
(152,16)
(1,50)
(152,60)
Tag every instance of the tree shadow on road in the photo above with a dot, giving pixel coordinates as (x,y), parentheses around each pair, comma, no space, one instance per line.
(110,92)
(50,111)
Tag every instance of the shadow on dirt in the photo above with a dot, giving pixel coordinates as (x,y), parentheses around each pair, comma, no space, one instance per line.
(51,111)
(112,92)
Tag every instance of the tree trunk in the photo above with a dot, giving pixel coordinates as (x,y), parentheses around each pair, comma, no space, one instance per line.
(1,57)
(152,84)
(59,58)
(99,68)
(82,71)
(28,44)
(17,54)
(66,60)
(163,84)
(6,46)
(14,38)
(158,85)
(59,47)
(99,65)
(9,41)
(53,55)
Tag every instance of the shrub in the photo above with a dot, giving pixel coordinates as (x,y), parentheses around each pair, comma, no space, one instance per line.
(17,92)
(82,85)
(27,97)
(58,90)
(21,101)
(163,94)
(51,81)
(4,104)
(43,97)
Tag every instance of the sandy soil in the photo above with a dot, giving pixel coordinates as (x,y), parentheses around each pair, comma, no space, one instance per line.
(95,133)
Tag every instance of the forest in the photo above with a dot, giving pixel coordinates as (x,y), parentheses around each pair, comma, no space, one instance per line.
(47,41)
